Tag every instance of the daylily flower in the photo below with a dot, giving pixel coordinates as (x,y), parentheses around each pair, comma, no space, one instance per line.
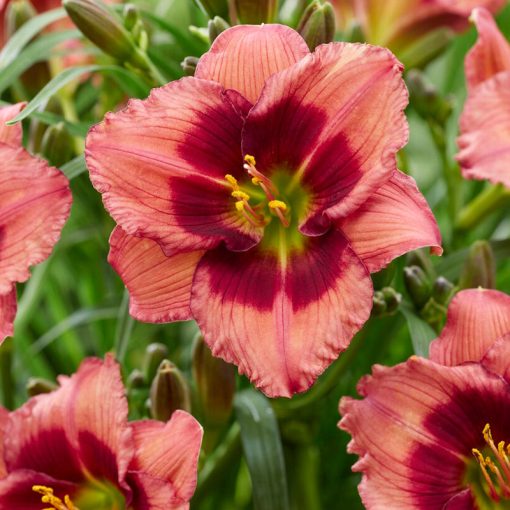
(74,449)
(258,196)
(484,141)
(433,434)
(35,205)
(400,24)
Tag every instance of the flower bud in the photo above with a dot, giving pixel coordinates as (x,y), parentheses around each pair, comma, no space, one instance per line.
(291,11)
(392,299)
(379,304)
(214,7)
(434,314)
(443,291)
(480,267)
(254,11)
(216,26)
(155,353)
(215,382)
(421,259)
(317,25)
(18,13)
(38,385)
(418,285)
(105,29)
(426,48)
(425,98)
(57,144)
(189,65)
(135,380)
(169,392)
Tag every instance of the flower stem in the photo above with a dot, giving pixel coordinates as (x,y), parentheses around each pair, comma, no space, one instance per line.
(6,374)
(490,200)
(124,328)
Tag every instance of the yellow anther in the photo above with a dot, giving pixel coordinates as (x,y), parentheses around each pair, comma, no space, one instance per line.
(479,457)
(250,160)
(487,434)
(240,206)
(240,194)
(232,181)
(49,497)
(256,180)
(277,204)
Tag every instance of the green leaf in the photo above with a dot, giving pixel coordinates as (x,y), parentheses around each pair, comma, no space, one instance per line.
(74,167)
(130,83)
(38,51)
(263,451)
(26,33)
(421,333)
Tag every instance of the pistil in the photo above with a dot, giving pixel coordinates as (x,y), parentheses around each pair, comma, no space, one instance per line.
(498,485)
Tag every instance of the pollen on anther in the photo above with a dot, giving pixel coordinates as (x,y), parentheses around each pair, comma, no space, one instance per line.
(240,206)
(277,204)
(231,180)
(240,194)
(250,160)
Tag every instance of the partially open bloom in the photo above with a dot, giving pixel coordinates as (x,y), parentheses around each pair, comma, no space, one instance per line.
(258,196)
(74,449)
(434,434)
(484,140)
(400,24)
(35,203)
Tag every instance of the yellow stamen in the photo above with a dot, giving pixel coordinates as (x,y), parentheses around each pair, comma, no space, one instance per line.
(250,160)
(232,181)
(481,462)
(240,206)
(48,497)
(256,180)
(241,195)
(277,204)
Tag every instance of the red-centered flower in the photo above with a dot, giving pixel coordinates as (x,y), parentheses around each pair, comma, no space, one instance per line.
(34,206)
(74,449)
(484,139)
(258,196)
(398,24)
(433,434)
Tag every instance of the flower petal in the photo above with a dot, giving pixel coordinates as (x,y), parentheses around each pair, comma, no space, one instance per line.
(484,141)
(282,323)
(4,418)
(243,57)
(380,230)
(35,205)
(336,120)
(99,419)
(161,163)
(11,135)
(169,452)
(476,319)
(497,358)
(151,493)
(8,308)
(37,437)
(415,428)
(16,490)
(491,53)
(159,286)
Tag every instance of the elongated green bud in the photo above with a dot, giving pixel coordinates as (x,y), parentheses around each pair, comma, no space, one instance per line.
(135,380)
(189,65)
(38,385)
(443,291)
(480,267)
(254,11)
(105,29)
(421,259)
(418,285)
(169,392)
(379,304)
(215,383)
(216,26)
(57,144)
(155,353)
(18,13)
(317,25)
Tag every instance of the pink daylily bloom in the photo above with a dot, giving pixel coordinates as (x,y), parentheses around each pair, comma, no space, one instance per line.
(428,431)
(258,196)
(398,24)
(77,442)
(35,205)
(484,140)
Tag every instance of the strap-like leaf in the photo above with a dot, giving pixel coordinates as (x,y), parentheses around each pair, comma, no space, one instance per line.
(421,333)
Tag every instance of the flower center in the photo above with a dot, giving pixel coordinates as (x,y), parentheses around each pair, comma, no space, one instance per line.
(494,465)
(255,214)
(48,497)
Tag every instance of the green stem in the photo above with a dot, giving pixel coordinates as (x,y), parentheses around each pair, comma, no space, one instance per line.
(487,202)
(304,471)
(124,328)
(6,374)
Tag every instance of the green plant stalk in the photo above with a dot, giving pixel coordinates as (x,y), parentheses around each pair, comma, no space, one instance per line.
(487,202)
(125,325)
(305,474)
(8,386)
